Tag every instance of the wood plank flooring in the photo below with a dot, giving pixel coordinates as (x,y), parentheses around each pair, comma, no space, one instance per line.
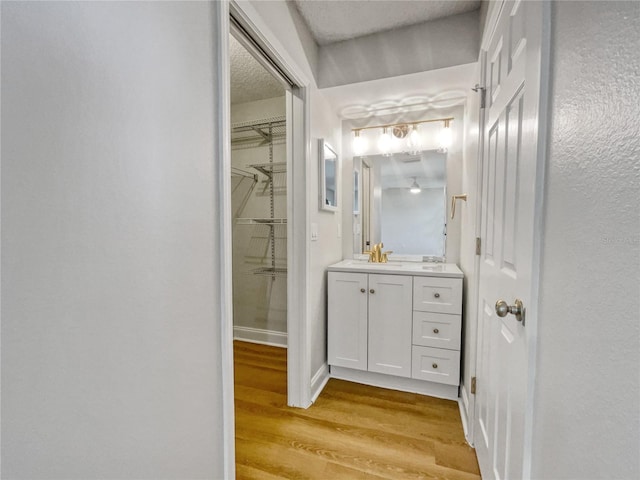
(352,431)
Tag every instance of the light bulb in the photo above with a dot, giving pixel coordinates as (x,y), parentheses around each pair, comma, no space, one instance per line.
(414,141)
(445,137)
(384,142)
(359,144)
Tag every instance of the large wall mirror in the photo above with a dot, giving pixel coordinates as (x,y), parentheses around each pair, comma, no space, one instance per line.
(402,202)
(328,160)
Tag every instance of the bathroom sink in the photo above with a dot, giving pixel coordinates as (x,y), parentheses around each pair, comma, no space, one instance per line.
(433,268)
(397,267)
(373,264)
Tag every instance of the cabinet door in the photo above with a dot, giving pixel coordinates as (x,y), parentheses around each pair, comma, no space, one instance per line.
(347,315)
(390,324)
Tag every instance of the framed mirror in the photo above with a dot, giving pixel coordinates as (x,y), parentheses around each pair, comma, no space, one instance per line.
(329,168)
(402,203)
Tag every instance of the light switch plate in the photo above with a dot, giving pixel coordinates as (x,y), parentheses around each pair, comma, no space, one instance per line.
(314,232)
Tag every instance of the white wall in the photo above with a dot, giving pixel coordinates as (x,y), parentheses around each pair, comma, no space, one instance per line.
(587,398)
(418,48)
(259,302)
(328,248)
(110,328)
(286,27)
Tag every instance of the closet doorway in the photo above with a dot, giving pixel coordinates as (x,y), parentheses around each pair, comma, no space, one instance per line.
(258,200)
(268,196)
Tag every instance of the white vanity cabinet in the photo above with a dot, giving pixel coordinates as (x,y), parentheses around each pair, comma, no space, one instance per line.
(396,326)
(370,320)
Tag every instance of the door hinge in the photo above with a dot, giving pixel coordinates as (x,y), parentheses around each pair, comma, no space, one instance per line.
(478,245)
(483,94)
(473,385)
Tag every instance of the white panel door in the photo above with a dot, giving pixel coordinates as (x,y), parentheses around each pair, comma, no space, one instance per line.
(390,324)
(510,167)
(347,320)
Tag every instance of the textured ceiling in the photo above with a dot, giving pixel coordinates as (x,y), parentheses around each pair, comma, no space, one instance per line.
(333,21)
(249,80)
(416,92)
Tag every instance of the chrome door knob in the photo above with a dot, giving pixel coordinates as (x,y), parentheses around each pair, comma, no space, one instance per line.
(502,308)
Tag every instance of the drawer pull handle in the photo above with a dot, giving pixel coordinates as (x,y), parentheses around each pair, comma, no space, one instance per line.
(437,295)
(435,330)
(362,290)
(434,365)
(372,291)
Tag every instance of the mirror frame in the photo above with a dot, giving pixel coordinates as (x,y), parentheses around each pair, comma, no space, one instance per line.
(356,192)
(322,145)
(358,220)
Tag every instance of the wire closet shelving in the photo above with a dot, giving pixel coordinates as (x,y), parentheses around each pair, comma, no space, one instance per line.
(263,133)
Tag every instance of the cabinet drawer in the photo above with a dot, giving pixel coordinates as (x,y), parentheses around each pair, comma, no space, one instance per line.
(439,295)
(435,365)
(440,330)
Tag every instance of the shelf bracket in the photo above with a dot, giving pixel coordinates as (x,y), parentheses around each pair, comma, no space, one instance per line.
(267,138)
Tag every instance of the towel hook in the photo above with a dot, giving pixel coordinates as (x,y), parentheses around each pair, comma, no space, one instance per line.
(453,203)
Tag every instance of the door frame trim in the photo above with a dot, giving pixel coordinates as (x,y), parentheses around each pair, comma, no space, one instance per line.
(298,211)
(298,202)
(474,289)
(222,231)
(543,134)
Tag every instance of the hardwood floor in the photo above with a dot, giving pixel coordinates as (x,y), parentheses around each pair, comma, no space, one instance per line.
(352,431)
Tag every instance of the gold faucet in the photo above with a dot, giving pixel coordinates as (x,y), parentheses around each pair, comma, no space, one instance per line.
(376,255)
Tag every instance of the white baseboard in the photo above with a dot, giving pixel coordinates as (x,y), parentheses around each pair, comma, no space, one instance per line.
(440,390)
(264,337)
(319,381)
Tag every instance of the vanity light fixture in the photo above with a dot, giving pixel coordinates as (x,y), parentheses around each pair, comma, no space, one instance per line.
(445,137)
(415,188)
(408,131)
(384,142)
(359,143)
(414,141)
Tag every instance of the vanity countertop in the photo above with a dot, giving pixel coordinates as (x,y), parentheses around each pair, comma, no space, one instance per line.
(450,270)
